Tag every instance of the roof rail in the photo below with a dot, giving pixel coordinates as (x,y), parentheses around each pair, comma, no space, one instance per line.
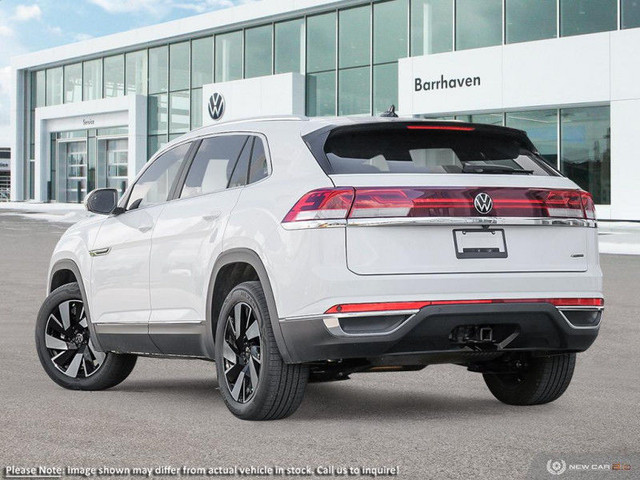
(265,118)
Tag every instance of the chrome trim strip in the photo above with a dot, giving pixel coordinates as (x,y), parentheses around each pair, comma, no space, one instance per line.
(578,307)
(176,322)
(351,314)
(98,252)
(303,225)
(461,221)
(333,325)
(442,221)
(581,327)
(121,323)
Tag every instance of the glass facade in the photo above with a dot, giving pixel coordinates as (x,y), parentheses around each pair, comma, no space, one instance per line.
(289,55)
(92,80)
(321,94)
(258,51)
(73,83)
(578,17)
(353,91)
(630,13)
(114,76)
(527,21)
(228,57)
(201,62)
(390,31)
(542,128)
(385,87)
(478,23)
(349,56)
(354,59)
(179,66)
(158,70)
(321,42)
(55,88)
(585,149)
(355,37)
(136,68)
(431,26)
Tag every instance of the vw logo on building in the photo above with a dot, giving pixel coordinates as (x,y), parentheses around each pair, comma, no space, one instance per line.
(216,106)
(483,203)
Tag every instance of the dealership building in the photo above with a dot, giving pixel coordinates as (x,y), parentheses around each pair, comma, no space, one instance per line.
(90,114)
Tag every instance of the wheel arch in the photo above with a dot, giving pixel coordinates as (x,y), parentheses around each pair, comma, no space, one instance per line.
(243,265)
(67,271)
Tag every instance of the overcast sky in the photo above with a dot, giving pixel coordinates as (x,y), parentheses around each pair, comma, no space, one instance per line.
(27,26)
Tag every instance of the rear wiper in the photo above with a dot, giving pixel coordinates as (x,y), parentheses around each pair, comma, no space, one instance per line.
(467,168)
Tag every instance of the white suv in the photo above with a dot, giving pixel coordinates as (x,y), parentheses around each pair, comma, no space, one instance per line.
(290,250)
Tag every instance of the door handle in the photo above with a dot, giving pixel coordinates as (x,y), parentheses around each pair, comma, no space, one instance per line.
(145,228)
(211,217)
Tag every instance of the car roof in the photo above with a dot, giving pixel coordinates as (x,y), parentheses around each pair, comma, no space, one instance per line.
(302,125)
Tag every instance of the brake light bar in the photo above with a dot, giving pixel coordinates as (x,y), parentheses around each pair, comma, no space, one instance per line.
(392,202)
(454,128)
(402,306)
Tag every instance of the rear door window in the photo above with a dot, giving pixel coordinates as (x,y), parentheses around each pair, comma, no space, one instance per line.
(417,149)
(213,165)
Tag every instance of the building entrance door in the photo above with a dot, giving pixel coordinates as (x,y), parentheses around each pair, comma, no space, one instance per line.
(113,153)
(71,171)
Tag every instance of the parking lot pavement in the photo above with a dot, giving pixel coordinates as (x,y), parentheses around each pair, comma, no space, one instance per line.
(440,422)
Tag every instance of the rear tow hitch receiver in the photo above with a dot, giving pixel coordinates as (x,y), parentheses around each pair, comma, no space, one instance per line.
(472,335)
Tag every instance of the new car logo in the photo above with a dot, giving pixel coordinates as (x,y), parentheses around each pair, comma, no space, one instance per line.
(483,203)
(216,106)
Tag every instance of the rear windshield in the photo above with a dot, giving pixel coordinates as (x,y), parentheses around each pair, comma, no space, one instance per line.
(427,149)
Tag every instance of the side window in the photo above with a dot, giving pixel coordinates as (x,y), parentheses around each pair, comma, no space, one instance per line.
(259,166)
(154,185)
(213,165)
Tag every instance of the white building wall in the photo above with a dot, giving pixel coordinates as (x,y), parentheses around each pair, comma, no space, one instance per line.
(17,145)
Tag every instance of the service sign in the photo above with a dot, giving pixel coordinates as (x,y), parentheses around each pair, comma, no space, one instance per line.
(450,82)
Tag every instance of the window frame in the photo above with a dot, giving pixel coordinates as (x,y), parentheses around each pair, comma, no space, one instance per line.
(182,182)
(182,176)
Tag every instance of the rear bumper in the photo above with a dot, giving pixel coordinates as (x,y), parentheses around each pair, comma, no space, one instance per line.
(439,329)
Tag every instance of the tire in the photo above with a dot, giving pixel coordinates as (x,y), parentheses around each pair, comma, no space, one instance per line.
(61,330)
(254,381)
(543,380)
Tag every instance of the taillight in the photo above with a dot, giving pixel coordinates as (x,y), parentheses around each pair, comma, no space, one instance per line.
(322,204)
(416,202)
(588,205)
(453,128)
(459,202)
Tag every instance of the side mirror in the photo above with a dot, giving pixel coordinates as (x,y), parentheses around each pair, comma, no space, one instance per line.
(102,201)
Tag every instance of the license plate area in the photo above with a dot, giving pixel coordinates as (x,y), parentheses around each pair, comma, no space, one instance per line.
(480,243)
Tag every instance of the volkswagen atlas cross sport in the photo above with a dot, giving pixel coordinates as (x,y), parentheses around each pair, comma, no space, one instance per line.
(290,250)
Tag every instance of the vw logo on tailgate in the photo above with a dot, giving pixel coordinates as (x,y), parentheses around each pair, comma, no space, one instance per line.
(216,106)
(483,203)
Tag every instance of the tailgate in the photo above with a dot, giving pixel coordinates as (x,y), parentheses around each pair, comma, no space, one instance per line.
(397,249)
(437,229)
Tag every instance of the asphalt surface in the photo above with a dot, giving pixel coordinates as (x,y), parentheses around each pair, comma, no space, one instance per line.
(441,422)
